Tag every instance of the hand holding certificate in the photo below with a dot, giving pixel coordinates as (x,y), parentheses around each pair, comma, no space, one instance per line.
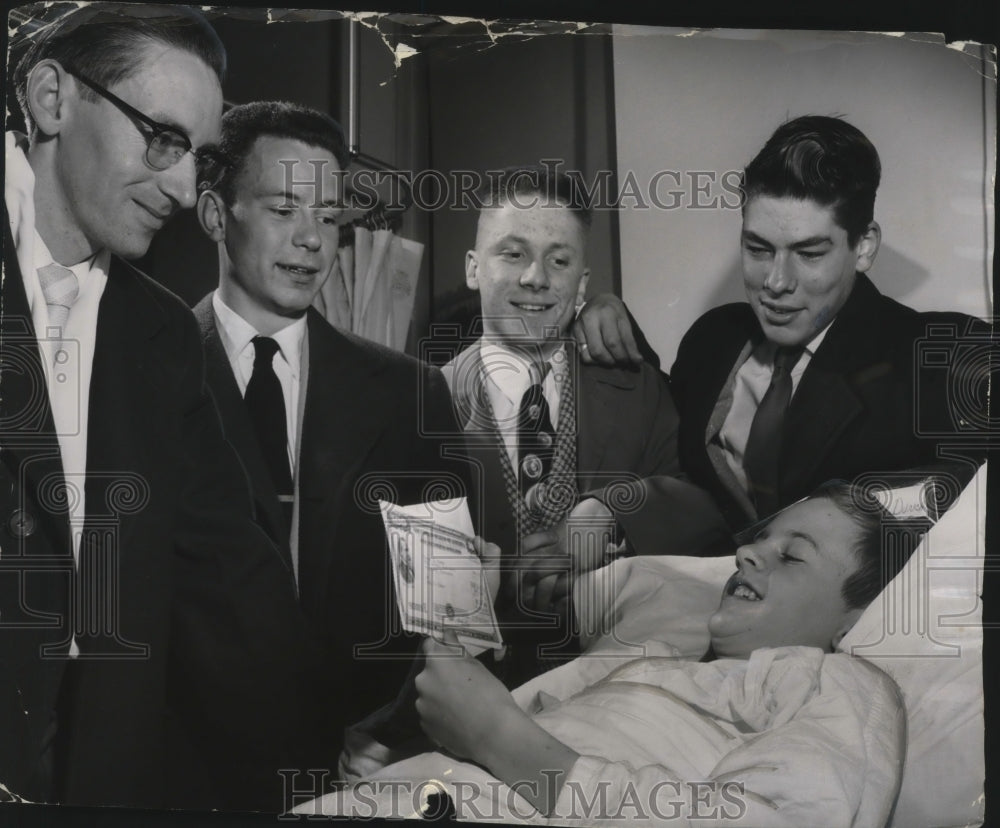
(441,585)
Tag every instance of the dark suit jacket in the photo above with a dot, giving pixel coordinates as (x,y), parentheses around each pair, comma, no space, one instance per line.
(627,429)
(199,623)
(880,394)
(376,423)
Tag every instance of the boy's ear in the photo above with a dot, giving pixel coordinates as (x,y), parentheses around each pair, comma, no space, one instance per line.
(472,270)
(867,247)
(212,215)
(850,619)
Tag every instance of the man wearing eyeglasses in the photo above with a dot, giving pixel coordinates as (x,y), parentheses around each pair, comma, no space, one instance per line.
(149,631)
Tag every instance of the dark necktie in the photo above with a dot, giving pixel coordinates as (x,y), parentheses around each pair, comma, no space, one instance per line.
(266,405)
(760,460)
(535,434)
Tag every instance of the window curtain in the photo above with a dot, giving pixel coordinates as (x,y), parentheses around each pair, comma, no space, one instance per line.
(373,282)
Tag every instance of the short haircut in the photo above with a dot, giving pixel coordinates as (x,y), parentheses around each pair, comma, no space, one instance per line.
(105,42)
(244,124)
(550,186)
(885,545)
(823,159)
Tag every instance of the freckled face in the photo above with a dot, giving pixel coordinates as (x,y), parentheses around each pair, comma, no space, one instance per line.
(787,587)
(529,267)
(798,266)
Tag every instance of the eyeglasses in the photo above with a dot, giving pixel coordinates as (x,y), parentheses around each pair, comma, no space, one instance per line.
(165,145)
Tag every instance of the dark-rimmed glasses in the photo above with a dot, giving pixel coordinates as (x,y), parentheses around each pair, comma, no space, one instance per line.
(165,145)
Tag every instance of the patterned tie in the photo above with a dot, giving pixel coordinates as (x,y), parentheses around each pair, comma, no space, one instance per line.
(535,434)
(60,287)
(266,404)
(549,503)
(760,460)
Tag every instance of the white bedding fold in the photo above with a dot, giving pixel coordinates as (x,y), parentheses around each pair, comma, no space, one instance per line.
(790,737)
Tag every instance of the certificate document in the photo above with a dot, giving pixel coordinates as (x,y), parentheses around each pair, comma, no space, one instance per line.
(439,578)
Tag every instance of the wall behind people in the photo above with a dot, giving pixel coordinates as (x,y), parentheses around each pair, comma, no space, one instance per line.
(694,108)
(462,102)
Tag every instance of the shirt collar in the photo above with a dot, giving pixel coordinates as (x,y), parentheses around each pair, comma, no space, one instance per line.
(98,263)
(508,369)
(766,350)
(813,344)
(236,334)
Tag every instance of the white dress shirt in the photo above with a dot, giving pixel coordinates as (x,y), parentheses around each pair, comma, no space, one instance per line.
(69,382)
(752,381)
(508,376)
(237,335)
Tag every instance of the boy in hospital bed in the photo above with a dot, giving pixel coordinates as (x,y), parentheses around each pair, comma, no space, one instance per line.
(769,728)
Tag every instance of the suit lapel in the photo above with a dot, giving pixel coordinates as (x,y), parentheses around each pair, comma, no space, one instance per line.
(300,414)
(341,424)
(721,373)
(824,404)
(495,519)
(468,395)
(712,408)
(31,455)
(597,392)
(238,428)
(122,398)
(31,447)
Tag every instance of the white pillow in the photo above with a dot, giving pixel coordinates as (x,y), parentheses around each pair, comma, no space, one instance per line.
(925,630)
(667,599)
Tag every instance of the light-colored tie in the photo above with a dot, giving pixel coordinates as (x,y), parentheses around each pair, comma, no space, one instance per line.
(60,287)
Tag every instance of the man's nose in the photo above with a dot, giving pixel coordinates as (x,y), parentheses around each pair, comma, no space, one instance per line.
(179,182)
(780,278)
(307,233)
(534,275)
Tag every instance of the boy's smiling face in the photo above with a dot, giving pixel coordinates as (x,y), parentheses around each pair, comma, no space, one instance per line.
(529,266)
(787,587)
(799,266)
